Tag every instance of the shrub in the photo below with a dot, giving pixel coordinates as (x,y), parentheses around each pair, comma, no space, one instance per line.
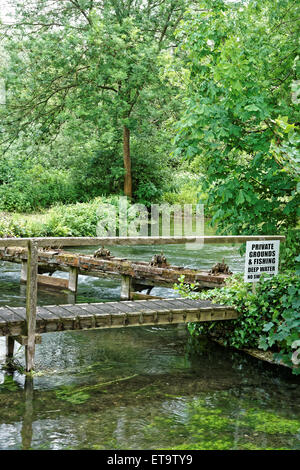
(36,188)
(269,319)
(74,220)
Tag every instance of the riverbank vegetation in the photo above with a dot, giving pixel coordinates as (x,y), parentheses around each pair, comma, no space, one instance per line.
(269,316)
(240,128)
(72,220)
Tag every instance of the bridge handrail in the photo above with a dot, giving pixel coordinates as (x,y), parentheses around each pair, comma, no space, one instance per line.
(95,241)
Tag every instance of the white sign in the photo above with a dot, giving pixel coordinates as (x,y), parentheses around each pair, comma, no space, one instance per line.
(261,258)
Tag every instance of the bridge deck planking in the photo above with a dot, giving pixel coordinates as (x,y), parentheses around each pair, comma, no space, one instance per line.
(52,318)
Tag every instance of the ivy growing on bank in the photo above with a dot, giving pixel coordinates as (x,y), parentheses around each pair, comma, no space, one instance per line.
(269,318)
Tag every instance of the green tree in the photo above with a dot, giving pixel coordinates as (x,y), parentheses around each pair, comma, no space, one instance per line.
(95,62)
(241,125)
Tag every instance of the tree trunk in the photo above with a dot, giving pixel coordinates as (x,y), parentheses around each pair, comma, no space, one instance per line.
(127,162)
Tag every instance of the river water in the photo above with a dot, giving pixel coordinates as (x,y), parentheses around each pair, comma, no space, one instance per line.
(144,387)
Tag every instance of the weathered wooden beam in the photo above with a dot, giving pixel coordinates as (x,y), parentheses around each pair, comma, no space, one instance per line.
(126,282)
(139,296)
(73,279)
(96,241)
(141,272)
(55,282)
(10,344)
(31,303)
(24,271)
(23,340)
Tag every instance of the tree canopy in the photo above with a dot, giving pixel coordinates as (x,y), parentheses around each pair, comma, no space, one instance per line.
(75,63)
(241,120)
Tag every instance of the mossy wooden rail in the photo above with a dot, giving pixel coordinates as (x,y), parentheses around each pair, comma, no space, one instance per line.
(24,324)
(134,274)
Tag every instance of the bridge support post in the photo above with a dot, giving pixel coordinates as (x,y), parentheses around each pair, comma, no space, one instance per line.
(10,345)
(31,303)
(24,271)
(73,279)
(126,282)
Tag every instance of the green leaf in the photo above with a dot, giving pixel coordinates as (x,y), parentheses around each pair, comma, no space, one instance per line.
(240,199)
(252,107)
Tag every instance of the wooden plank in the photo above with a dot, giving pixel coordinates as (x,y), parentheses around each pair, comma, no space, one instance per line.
(3,322)
(193,302)
(125,308)
(204,304)
(64,318)
(59,311)
(183,309)
(178,304)
(54,282)
(10,345)
(89,308)
(14,242)
(151,304)
(138,313)
(46,321)
(108,307)
(73,279)
(23,340)
(44,314)
(163,305)
(126,282)
(109,241)
(11,324)
(24,271)
(83,318)
(73,309)
(15,313)
(159,307)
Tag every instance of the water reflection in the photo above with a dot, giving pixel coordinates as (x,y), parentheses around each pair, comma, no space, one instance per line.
(144,388)
(26,431)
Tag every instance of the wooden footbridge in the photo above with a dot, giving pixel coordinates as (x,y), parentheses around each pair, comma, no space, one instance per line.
(25,324)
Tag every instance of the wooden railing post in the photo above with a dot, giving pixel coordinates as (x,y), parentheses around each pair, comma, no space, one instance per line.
(126,287)
(73,279)
(31,303)
(24,269)
(10,344)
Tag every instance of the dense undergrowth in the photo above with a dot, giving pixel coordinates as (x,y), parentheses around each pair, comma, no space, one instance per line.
(73,220)
(269,318)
